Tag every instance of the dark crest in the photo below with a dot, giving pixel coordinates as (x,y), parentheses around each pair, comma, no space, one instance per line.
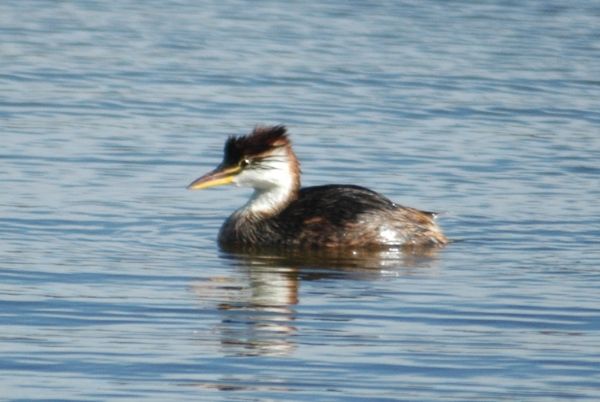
(260,140)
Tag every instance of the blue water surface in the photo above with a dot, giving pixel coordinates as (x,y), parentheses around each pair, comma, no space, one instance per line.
(112,286)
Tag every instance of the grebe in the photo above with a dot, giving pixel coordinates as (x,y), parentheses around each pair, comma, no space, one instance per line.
(280,214)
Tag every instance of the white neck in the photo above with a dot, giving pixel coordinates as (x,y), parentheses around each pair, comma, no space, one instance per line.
(275,184)
(268,201)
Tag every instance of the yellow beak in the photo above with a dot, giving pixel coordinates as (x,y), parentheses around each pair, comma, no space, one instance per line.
(217,177)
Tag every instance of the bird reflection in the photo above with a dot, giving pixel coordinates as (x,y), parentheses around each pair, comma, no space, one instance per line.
(259,318)
(257,303)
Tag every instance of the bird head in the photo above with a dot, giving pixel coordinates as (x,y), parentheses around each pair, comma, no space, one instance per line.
(262,160)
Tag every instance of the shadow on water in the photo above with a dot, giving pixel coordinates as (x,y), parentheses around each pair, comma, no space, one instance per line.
(257,301)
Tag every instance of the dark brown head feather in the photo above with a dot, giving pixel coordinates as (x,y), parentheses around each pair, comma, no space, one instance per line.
(260,140)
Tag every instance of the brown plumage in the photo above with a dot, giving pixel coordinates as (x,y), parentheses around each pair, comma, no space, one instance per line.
(280,214)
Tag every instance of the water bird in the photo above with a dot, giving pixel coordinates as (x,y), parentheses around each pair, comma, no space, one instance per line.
(282,214)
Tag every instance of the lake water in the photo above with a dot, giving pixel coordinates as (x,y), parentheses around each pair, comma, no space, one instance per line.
(112,286)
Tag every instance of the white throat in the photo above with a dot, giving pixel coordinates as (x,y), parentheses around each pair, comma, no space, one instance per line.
(274,183)
(268,201)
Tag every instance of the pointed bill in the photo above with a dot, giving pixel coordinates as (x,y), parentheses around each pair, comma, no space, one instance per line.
(218,177)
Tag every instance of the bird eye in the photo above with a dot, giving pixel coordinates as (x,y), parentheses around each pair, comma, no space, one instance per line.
(244,163)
